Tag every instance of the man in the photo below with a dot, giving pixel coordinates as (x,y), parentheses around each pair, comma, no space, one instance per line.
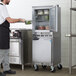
(5,21)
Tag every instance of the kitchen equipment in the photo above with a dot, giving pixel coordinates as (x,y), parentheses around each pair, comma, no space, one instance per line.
(46,41)
(15,34)
(16,48)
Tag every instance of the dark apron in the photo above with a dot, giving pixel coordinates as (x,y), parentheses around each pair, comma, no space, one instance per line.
(4,35)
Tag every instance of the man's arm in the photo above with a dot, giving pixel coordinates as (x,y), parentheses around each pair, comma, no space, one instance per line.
(11,20)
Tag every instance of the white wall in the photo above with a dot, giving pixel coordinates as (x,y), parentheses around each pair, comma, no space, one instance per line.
(20,9)
(23,8)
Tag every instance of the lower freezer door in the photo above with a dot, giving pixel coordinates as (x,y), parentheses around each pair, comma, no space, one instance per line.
(41,52)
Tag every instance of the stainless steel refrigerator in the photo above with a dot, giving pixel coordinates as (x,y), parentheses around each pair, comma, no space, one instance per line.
(46,37)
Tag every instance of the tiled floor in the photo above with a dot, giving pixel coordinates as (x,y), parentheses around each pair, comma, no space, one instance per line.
(30,72)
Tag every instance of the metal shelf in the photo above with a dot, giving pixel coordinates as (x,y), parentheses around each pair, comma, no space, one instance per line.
(42,30)
(74,9)
(70,37)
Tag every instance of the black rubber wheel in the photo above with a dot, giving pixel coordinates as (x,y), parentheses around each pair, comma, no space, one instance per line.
(36,68)
(59,66)
(44,66)
(53,69)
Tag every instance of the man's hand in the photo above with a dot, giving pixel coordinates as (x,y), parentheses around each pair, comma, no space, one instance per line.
(11,20)
(22,20)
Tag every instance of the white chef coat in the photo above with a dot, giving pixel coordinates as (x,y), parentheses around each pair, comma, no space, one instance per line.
(3,13)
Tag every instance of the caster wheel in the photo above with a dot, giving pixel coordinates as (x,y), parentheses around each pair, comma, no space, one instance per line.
(44,66)
(36,67)
(53,69)
(59,66)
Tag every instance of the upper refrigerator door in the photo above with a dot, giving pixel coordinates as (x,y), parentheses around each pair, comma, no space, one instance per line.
(45,18)
(54,18)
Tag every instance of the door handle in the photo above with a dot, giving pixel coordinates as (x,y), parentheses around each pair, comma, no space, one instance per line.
(35,38)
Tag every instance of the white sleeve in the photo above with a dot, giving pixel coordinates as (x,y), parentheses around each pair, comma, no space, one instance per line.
(4,12)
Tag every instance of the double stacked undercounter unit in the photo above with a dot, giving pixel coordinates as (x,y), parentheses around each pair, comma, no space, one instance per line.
(46,40)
